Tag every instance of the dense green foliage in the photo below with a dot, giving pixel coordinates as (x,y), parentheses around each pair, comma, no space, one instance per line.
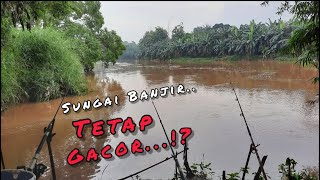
(39,66)
(112,45)
(30,13)
(264,40)
(93,43)
(304,41)
(47,46)
(298,37)
(87,46)
(80,20)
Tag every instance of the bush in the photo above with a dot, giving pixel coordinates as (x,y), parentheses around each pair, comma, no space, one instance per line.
(39,65)
(10,88)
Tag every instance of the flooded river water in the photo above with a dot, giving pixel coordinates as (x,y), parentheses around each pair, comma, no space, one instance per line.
(273,97)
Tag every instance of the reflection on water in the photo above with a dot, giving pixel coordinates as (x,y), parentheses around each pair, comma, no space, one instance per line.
(273,96)
(22,129)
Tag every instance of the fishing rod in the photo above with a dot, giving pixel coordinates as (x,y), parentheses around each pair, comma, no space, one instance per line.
(189,172)
(156,164)
(249,132)
(173,154)
(38,169)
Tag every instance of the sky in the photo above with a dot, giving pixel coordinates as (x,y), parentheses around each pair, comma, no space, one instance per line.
(131,19)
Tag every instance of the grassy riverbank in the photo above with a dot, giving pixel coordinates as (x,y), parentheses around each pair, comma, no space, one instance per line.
(210,61)
(204,61)
(39,66)
(46,48)
(200,62)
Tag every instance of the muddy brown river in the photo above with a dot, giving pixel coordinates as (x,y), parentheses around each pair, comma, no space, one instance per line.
(273,97)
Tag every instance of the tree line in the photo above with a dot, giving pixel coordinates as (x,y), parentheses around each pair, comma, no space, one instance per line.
(297,38)
(131,53)
(253,39)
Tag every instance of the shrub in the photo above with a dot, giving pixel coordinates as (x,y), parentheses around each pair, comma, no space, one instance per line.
(39,65)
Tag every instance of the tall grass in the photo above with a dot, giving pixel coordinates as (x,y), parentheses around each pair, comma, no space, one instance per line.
(38,66)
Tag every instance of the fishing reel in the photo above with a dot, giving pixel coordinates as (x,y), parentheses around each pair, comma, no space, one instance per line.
(34,170)
(38,169)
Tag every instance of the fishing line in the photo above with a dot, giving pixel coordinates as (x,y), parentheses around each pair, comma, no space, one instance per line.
(103,171)
(168,158)
(173,154)
(249,132)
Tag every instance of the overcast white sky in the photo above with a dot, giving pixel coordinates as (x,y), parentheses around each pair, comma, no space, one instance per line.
(132,19)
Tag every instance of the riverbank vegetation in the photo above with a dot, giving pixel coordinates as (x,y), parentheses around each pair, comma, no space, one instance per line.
(204,170)
(287,170)
(262,40)
(250,41)
(39,66)
(296,39)
(47,47)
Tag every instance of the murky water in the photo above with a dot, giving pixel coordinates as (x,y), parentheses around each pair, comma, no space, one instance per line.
(273,97)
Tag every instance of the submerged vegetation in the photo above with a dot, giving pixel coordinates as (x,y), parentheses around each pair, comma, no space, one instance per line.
(47,47)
